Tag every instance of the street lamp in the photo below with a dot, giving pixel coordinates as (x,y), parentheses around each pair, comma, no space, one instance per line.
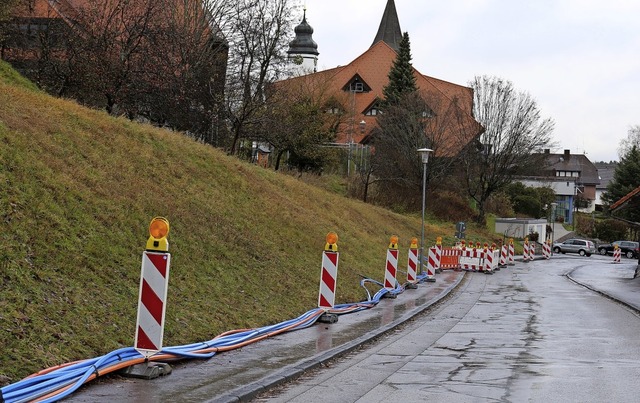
(424,153)
(553,223)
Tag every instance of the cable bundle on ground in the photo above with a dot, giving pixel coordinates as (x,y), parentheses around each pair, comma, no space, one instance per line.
(58,382)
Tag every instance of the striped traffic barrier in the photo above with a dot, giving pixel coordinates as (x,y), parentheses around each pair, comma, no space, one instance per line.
(616,254)
(471,259)
(154,281)
(438,269)
(431,265)
(546,250)
(329,273)
(525,250)
(450,258)
(504,252)
(512,252)
(412,265)
(391,267)
(488,260)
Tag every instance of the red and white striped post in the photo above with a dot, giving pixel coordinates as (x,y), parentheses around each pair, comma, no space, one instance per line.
(329,273)
(546,249)
(392,264)
(154,281)
(438,264)
(412,265)
(617,253)
(512,253)
(431,265)
(391,268)
(525,250)
(488,259)
(504,253)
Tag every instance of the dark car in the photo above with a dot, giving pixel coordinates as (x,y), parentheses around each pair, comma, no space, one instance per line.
(629,249)
(580,246)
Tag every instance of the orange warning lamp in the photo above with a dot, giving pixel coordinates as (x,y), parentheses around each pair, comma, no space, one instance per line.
(393,242)
(414,243)
(158,231)
(332,242)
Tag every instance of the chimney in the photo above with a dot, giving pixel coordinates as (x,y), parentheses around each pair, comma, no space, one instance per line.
(567,155)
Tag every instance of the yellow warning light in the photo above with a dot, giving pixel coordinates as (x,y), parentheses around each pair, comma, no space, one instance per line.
(439,240)
(158,231)
(511,241)
(393,242)
(332,242)
(414,243)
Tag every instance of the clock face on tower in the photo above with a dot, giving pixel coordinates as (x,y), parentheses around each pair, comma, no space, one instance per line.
(297,59)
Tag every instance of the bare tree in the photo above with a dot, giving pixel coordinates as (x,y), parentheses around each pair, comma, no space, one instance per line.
(258,41)
(632,139)
(163,60)
(514,132)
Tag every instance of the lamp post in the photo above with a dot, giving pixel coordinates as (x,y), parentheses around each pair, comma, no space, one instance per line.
(553,224)
(424,153)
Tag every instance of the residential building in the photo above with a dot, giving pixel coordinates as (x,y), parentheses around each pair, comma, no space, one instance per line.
(605,173)
(572,177)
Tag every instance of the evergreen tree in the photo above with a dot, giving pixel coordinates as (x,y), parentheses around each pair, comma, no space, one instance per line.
(625,179)
(401,78)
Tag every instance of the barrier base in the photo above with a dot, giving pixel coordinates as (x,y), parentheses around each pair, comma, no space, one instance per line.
(328,318)
(389,295)
(430,280)
(146,370)
(411,286)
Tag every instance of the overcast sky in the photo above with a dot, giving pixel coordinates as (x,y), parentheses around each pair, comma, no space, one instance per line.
(580,59)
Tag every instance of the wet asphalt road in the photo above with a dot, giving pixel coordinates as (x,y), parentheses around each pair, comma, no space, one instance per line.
(527,333)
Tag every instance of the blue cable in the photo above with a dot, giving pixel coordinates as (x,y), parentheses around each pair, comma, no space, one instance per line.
(73,376)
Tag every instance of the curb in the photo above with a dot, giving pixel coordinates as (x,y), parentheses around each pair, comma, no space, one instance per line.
(289,373)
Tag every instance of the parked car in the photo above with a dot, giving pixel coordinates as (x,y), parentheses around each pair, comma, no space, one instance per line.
(629,249)
(580,246)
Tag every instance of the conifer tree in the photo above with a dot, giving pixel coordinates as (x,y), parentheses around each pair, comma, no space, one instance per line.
(401,78)
(626,178)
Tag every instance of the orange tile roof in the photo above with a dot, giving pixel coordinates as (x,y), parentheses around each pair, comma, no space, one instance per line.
(448,101)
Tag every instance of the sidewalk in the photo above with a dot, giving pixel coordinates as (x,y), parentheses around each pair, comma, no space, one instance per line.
(612,280)
(239,375)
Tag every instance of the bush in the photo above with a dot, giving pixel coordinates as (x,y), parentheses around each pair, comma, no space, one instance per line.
(449,206)
(500,205)
(528,205)
(611,230)
(585,225)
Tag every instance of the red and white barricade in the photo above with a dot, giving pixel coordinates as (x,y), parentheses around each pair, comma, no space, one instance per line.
(391,268)
(511,253)
(412,265)
(546,250)
(328,280)
(432,263)
(525,250)
(532,250)
(488,260)
(504,252)
(471,259)
(616,254)
(154,282)
(450,258)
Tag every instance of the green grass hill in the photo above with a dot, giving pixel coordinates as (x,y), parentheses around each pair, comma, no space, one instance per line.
(78,189)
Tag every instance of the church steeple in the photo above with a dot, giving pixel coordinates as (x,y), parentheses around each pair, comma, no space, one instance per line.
(389,30)
(303,50)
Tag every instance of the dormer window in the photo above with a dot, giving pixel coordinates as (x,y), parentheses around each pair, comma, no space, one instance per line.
(356,84)
(373,109)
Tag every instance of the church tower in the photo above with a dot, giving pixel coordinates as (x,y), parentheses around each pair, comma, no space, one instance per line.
(389,30)
(303,51)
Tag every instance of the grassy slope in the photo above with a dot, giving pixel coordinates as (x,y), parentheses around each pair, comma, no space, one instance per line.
(77,191)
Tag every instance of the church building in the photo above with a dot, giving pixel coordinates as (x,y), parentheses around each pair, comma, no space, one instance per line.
(355,90)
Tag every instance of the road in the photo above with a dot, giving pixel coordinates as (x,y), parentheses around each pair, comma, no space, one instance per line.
(527,333)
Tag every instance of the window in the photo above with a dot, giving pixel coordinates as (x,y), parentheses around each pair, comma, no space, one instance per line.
(356,85)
